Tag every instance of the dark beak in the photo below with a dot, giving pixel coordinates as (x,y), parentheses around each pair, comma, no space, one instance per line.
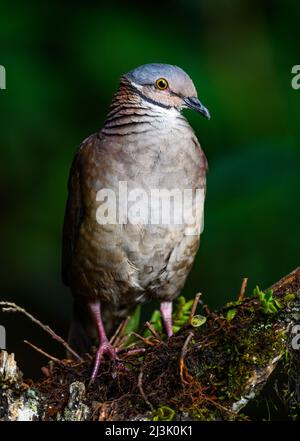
(193,103)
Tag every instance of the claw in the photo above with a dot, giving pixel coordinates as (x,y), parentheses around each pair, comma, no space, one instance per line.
(104,348)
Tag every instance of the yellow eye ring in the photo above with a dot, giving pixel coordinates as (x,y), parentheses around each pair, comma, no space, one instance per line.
(161,84)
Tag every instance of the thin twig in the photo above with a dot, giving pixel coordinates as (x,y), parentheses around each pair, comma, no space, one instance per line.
(122,341)
(243,289)
(153,331)
(12,307)
(56,360)
(208,312)
(130,352)
(183,354)
(119,332)
(143,339)
(194,307)
(140,386)
(215,403)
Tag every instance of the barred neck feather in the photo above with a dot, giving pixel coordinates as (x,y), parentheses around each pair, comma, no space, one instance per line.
(132,113)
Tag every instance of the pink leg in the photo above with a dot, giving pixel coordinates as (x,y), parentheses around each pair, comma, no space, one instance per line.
(166,313)
(104,346)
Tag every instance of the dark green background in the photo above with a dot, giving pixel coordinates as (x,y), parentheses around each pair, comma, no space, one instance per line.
(63,64)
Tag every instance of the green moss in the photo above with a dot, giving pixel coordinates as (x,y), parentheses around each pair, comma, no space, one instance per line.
(288,298)
(241,348)
(164,413)
(233,304)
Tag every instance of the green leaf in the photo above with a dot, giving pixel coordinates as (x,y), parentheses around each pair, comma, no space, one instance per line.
(188,306)
(268,296)
(257,291)
(231,314)
(198,320)
(134,322)
(175,328)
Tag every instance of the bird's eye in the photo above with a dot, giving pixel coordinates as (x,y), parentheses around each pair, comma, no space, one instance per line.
(161,84)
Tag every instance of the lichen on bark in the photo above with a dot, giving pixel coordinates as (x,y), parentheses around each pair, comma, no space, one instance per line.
(238,361)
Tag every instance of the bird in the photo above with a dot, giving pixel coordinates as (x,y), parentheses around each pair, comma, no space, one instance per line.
(147,143)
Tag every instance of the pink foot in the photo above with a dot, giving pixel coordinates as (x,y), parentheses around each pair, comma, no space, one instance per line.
(104,348)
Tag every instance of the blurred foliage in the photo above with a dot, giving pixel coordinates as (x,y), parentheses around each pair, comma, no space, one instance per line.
(63,62)
(268,303)
(134,321)
(180,316)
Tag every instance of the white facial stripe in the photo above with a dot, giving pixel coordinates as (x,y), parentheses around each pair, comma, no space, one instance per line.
(137,86)
(170,112)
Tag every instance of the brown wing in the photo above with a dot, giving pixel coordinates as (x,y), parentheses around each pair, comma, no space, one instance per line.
(73,214)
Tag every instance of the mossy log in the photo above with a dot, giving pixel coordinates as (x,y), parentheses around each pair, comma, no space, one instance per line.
(241,364)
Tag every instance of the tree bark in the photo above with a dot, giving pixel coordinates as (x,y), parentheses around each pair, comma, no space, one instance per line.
(240,356)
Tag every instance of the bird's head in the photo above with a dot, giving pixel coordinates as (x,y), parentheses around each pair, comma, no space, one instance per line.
(166,86)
